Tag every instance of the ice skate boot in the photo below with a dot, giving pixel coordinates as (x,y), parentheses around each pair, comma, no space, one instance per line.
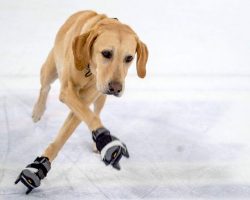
(110,147)
(32,175)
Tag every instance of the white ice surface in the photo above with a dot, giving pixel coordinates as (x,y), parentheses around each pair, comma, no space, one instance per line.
(186,125)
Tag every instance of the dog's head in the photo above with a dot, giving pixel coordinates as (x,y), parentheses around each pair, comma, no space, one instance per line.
(110,48)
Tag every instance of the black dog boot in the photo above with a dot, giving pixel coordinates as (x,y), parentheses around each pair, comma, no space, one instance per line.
(32,175)
(110,147)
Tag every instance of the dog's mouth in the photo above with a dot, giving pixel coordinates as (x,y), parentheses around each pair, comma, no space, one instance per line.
(116,94)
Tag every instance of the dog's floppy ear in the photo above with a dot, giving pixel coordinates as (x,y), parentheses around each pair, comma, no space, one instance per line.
(142,57)
(82,49)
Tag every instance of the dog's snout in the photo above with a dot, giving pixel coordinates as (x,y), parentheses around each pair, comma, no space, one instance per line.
(115,87)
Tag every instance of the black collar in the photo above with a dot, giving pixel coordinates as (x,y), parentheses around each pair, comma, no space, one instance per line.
(88,71)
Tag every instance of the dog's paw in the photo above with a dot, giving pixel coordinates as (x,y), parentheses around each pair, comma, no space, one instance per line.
(37,113)
(32,175)
(110,147)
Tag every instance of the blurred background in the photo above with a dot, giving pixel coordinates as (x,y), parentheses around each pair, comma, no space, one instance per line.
(186,124)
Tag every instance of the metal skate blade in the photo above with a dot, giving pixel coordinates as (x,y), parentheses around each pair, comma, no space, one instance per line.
(116,166)
(126,154)
(17,180)
(28,191)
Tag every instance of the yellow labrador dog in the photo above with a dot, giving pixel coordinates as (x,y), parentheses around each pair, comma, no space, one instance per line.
(91,56)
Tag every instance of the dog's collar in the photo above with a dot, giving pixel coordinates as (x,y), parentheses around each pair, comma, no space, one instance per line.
(87,71)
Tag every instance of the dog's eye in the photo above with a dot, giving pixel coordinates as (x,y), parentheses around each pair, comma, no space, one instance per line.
(128,59)
(107,54)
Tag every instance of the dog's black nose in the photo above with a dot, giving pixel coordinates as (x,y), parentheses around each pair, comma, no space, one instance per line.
(115,87)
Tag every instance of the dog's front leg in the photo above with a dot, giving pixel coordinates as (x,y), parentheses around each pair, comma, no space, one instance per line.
(69,126)
(110,147)
(80,106)
(32,175)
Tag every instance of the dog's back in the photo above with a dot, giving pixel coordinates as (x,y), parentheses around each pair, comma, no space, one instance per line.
(75,25)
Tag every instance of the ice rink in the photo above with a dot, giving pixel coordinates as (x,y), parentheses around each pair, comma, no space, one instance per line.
(186,125)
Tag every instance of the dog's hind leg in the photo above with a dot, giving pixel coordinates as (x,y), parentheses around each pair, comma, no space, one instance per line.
(48,75)
(98,106)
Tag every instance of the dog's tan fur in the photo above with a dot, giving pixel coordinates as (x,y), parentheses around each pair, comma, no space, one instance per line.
(78,44)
